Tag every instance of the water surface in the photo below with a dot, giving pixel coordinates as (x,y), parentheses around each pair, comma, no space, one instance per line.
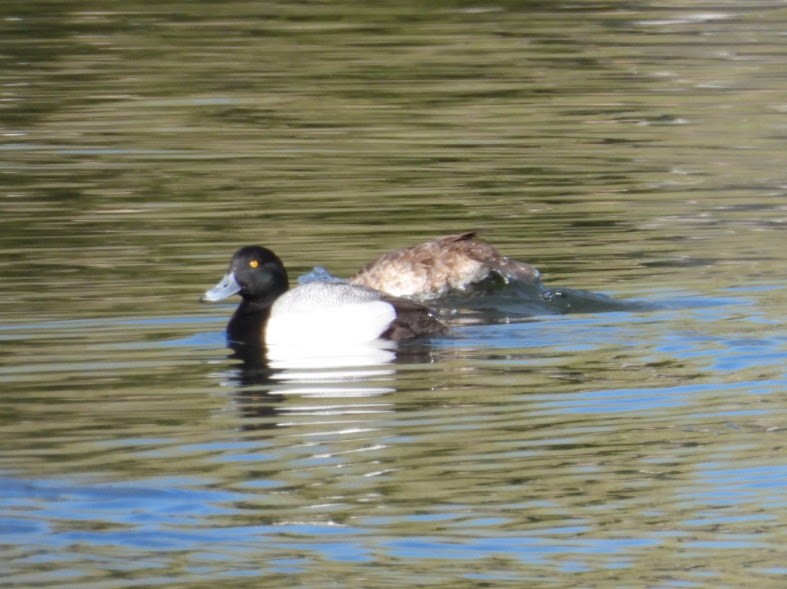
(631,150)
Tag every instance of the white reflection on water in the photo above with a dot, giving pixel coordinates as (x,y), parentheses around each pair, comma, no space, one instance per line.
(288,359)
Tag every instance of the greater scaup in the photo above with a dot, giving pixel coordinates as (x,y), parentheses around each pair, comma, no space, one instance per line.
(453,263)
(272,314)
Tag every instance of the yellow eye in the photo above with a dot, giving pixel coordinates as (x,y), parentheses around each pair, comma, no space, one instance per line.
(253,264)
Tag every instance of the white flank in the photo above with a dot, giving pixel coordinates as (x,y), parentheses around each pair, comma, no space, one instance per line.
(320,315)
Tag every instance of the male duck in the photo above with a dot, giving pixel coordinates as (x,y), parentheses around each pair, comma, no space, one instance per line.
(453,263)
(320,312)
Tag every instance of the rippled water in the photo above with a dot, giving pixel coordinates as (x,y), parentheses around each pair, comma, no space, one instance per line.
(628,431)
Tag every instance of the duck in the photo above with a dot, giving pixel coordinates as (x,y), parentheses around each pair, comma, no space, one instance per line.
(316,313)
(443,266)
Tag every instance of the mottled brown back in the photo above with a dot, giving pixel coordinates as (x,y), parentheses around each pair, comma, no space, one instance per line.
(439,266)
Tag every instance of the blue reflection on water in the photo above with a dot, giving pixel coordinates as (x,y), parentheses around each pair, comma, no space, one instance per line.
(170,514)
(529,548)
(761,485)
(622,400)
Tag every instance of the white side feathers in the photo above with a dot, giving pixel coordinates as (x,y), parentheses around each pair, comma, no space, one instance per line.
(327,314)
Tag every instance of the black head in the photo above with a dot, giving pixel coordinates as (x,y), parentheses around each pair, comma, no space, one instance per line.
(256,273)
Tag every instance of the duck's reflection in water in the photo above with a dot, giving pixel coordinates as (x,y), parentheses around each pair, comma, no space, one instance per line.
(278,381)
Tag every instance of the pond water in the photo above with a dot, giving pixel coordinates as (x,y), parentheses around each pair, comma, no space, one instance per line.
(630,150)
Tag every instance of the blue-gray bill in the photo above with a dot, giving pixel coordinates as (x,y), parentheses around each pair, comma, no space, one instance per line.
(226,287)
